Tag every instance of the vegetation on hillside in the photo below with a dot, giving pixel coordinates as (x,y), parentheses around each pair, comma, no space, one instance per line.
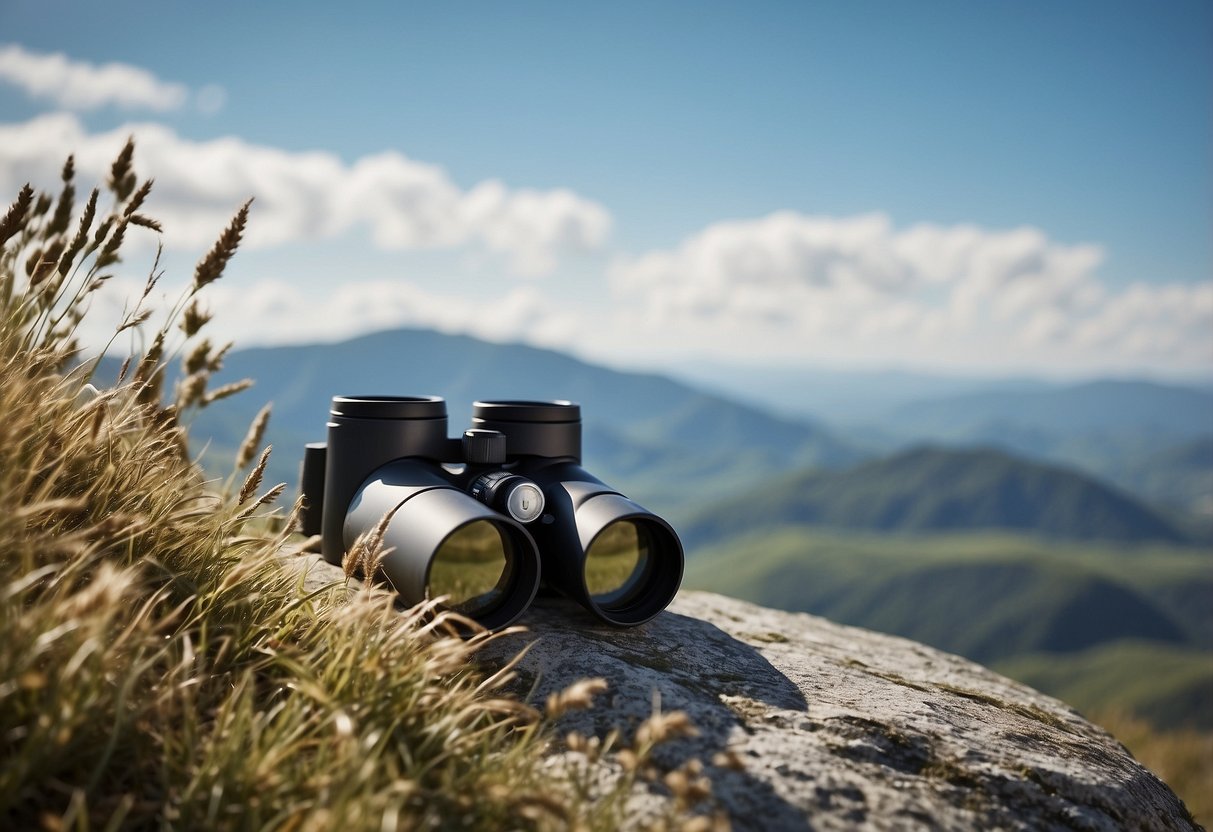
(159,668)
(942,489)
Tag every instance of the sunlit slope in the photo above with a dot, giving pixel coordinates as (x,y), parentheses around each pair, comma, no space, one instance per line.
(1171,686)
(939,489)
(986,597)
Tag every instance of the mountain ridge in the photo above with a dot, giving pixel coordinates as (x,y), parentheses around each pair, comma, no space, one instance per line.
(1099,405)
(667,432)
(931,488)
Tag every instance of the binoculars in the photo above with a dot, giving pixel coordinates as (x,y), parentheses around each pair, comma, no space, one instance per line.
(482,519)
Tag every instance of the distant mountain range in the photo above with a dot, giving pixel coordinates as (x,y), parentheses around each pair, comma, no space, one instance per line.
(1146,437)
(1178,413)
(679,449)
(940,489)
(659,440)
(846,398)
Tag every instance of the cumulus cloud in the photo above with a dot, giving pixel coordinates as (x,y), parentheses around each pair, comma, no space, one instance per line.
(857,288)
(402,203)
(78,85)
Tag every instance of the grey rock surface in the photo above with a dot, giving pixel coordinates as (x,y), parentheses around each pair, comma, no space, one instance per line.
(837,727)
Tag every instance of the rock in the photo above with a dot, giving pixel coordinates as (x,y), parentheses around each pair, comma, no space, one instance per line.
(837,727)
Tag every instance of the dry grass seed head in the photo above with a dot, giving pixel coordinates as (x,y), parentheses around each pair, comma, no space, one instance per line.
(136,201)
(192,389)
(109,252)
(210,268)
(252,439)
(133,322)
(122,174)
(661,727)
(197,358)
(67,200)
(194,318)
(145,222)
(577,696)
(86,222)
(216,362)
(253,480)
(265,499)
(367,554)
(14,218)
(227,390)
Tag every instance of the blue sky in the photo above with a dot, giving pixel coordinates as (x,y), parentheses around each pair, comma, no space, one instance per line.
(986,187)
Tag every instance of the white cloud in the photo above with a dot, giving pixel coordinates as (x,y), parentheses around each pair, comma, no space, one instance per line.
(402,203)
(78,85)
(277,311)
(857,289)
(782,287)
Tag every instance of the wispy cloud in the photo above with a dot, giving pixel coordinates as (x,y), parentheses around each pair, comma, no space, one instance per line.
(402,203)
(79,85)
(856,288)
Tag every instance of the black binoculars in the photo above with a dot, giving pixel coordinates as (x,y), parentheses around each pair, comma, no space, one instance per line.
(481,519)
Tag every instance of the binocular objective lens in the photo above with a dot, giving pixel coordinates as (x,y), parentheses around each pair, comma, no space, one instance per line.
(473,568)
(617,562)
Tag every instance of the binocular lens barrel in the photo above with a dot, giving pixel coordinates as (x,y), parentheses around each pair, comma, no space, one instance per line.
(441,542)
(617,562)
(473,569)
(631,566)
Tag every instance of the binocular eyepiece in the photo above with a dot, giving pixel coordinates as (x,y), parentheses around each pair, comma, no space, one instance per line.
(479,520)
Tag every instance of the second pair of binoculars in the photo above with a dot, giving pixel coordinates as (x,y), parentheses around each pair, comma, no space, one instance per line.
(481,519)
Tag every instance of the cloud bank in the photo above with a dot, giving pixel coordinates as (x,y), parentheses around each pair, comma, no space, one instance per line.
(858,289)
(401,203)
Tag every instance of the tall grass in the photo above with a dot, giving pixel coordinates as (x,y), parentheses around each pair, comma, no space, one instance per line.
(158,666)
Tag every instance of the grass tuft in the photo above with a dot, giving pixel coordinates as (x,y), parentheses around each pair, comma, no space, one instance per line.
(159,666)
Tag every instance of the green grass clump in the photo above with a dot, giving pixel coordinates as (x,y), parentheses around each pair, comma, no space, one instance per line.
(158,667)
